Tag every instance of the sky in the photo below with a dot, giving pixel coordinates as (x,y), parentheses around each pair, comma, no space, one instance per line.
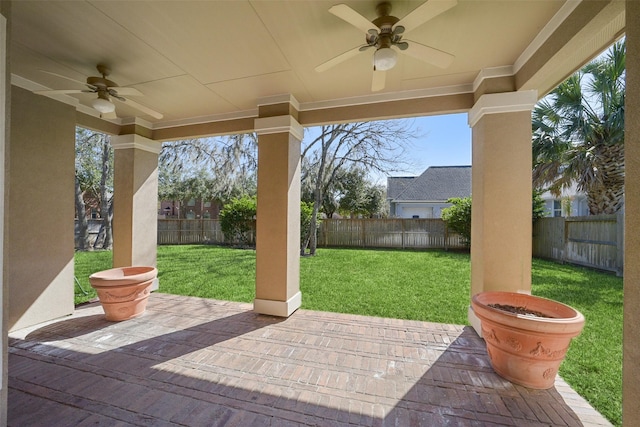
(444,141)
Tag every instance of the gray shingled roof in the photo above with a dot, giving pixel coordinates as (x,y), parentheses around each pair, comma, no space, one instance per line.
(437,183)
(397,184)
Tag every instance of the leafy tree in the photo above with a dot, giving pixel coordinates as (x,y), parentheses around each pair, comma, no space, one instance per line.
(208,168)
(373,146)
(578,133)
(359,196)
(458,217)
(94,185)
(237,220)
(538,210)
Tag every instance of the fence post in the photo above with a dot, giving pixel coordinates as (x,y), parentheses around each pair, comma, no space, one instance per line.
(620,244)
(402,231)
(565,241)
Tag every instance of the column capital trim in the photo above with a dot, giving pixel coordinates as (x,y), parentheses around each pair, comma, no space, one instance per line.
(508,102)
(491,73)
(121,142)
(279,124)
(280,99)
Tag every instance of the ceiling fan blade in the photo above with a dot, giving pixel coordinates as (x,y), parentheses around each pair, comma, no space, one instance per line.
(67,78)
(423,13)
(59,92)
(349,15)
(428,54)
(338,59)
(142,108)
(127,91)
(378,80)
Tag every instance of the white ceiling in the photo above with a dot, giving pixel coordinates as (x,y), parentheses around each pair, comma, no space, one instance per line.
(204,59)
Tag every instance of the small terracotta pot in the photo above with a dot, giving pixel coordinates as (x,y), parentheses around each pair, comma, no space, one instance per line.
(124,291)
(526,350)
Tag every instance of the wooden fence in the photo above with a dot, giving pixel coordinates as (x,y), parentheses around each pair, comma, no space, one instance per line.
(185,231)
(388,233)
(593,241)
(369,233)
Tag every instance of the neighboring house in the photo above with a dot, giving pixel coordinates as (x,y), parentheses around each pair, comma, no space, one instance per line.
(426,195)
(570,202)
(189,209)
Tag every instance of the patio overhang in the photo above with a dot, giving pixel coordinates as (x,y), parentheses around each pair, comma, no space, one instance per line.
(218,68)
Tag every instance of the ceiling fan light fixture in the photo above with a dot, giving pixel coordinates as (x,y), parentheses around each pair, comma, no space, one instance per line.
(385,58)
(103,105)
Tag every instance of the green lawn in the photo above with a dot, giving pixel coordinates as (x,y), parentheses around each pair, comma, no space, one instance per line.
(419,285)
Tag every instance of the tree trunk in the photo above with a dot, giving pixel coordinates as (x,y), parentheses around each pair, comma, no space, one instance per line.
(606,196)
(105,200)
(82,236)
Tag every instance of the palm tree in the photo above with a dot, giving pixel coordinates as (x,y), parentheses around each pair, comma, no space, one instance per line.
(578,133)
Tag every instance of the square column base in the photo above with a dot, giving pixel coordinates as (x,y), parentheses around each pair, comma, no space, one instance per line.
(278,308)
(474,321)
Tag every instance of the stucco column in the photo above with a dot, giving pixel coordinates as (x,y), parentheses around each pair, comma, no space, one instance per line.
(631,328)
(5,107)
(501,191)
(278,213)
(135,191)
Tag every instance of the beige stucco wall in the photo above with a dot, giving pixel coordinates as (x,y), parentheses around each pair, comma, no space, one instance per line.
(135,232)
(278,221)
(41,209)
(631,354)
(5,108)
(501,215)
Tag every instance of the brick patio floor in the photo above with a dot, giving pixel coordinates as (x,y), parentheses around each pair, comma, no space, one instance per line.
(197,362)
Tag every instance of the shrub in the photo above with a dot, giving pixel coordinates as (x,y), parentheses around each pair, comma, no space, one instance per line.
(237,220)
(458,217)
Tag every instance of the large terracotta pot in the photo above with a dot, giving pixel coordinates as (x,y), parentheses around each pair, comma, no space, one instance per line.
(523,348)
(124,291)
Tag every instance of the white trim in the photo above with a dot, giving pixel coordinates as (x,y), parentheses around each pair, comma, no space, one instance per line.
(388,97)
(121,142)
(278,308)
(245,114)
(493,72)
(253,113)
(279,124)
(554,23)
(507,102)
(279,99)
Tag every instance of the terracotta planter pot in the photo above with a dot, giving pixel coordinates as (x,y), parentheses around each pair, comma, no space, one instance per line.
(123,292)
(525,349)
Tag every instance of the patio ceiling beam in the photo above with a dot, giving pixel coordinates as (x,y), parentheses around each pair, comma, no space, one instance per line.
(588,27)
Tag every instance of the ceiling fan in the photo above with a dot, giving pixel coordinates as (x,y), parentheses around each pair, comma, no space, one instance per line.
(385,35)
(106,90)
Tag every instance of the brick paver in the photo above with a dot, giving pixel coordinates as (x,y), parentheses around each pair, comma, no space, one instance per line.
(197,362)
